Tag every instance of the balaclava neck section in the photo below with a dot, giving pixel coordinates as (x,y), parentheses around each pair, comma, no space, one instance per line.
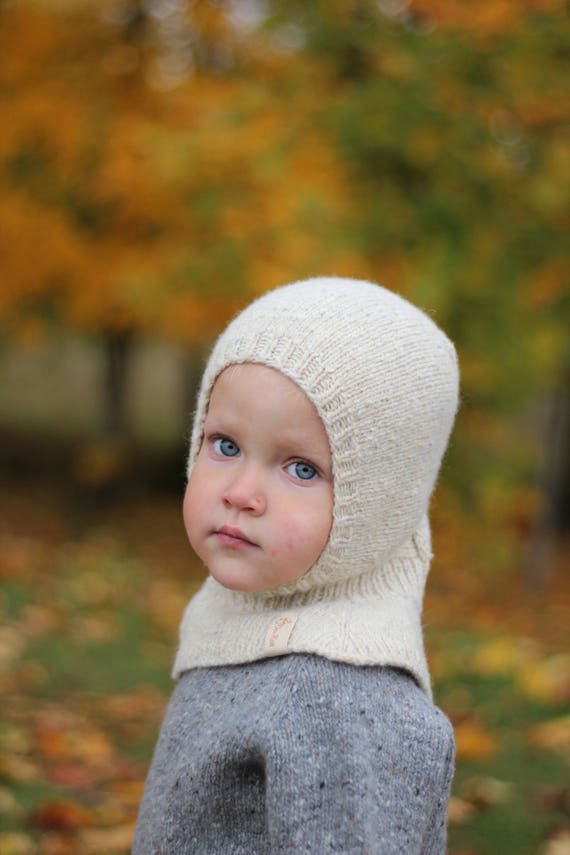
(384,381)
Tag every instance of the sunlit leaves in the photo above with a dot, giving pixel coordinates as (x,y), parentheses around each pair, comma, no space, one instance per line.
(158,206)
(163,162)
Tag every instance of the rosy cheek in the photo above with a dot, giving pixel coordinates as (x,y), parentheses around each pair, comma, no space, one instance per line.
(297,539)
(289,540)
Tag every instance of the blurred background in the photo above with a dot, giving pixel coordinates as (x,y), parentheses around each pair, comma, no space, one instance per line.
(162,162)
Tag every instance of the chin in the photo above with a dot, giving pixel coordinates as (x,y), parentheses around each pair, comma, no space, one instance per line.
(235,583)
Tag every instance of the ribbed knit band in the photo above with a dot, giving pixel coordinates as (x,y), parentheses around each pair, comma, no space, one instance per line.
(384,381)
(370,619)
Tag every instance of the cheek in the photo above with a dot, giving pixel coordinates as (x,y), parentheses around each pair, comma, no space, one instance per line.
(187,513)
(304,537)
(193,506)
(292,538)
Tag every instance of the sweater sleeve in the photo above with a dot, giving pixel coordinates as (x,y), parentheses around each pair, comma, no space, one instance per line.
(436,834)
(366,770)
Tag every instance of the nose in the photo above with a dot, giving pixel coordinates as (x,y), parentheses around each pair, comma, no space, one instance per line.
(245,493)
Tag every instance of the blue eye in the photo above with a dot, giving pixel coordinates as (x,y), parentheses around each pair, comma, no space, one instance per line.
(226,447)
(302,470)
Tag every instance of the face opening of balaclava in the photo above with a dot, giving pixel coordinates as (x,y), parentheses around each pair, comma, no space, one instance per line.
(384,380)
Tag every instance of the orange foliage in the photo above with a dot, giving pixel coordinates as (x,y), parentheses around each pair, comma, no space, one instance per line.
(546,287)
(486,18)
(474,741)
(134,200)
(122,199)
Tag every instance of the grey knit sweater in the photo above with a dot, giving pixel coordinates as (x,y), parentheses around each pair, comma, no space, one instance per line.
(298,754)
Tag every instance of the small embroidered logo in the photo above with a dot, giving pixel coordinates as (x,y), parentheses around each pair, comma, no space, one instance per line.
(279,633)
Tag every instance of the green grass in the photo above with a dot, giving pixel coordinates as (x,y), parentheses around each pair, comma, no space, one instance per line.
(92,638)
(537,779)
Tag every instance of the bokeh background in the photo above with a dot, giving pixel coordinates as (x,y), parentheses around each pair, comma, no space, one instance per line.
(161,163)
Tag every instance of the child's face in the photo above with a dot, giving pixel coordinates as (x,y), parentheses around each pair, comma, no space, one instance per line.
(258,506)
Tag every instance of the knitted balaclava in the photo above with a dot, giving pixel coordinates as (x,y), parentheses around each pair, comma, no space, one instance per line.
(384,381)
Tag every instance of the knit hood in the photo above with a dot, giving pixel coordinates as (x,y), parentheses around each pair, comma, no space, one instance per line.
(384,380)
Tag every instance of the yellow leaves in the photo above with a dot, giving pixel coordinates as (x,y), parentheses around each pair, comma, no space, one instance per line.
(69,743)
(503,655)
(548,186)
(459,811)
(546,680)
(209,21)
(10,807)
(553,735)
(16,843)
(17,769)
(109,840)
(112,215)
(92,747)
(166,602)
(488,18)
(91,589)
(426,144)
(58,820)
(546,287)
(536,111)
(266,272)
(477,373)
(60,736)
(11,645)
(19,561)
(558,844)
(535,675)
(130,792)
(121,214)
(24,27)
(196,319)
(37,246)
(520,675)
(79,743)
(145,702)
(474,741)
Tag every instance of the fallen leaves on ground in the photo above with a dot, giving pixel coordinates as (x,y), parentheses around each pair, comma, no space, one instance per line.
(559,844)
(553,734)
(88,626)
(474,741)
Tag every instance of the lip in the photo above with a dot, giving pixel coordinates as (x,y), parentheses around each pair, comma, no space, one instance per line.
(233,537)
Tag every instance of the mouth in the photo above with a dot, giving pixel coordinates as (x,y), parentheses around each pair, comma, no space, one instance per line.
(233,537)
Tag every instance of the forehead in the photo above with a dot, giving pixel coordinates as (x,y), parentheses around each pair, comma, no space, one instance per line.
(258,392)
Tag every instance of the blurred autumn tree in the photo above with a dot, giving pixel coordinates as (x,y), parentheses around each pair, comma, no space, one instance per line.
(163,160)
(151,172)
(452,125)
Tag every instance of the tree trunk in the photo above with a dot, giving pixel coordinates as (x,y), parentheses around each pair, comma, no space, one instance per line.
(117,349)
(553,518)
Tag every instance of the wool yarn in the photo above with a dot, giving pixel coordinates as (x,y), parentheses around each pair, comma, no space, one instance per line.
(384,380)
(298,755)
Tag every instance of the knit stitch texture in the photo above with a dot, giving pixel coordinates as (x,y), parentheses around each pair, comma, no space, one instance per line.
(384,380)
(298,755)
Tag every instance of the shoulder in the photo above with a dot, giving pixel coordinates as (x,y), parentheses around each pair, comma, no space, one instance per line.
(313,698)
(377,722)
(371,702)
(371,690)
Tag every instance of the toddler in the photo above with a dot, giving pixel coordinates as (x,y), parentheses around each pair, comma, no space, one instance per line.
(302,719)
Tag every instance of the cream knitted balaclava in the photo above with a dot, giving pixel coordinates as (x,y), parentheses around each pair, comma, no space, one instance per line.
(384,381)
